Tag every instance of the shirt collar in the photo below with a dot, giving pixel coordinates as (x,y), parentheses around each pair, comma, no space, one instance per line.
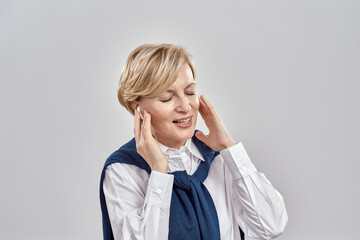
(189,145)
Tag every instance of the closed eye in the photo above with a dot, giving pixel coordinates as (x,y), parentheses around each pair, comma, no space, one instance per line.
(167,100)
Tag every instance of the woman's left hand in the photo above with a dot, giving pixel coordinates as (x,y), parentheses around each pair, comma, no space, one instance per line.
(218,138)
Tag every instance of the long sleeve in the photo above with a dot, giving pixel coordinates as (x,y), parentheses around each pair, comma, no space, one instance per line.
(258,207)
(138,205)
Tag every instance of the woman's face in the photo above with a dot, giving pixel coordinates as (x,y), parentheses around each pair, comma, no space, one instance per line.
(174,112)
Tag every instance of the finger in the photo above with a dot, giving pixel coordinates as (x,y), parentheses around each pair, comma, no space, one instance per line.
(137,123)
(203,107)
(210,110)
(206,103)
(209,106)
(201,136)
(147,125)
(203,114)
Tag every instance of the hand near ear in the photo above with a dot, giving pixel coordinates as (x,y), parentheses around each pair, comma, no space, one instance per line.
(218,138)
(146,144)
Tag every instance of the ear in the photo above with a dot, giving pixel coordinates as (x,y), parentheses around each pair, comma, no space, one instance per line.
(134,105)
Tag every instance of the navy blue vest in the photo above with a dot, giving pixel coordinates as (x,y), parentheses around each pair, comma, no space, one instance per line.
(192,211)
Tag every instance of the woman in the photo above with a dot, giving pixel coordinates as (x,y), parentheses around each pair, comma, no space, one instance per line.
(170,182)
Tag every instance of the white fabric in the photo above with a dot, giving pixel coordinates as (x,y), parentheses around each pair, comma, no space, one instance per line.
(139,203)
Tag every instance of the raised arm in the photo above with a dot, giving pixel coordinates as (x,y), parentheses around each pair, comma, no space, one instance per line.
(258,207)
(138,204)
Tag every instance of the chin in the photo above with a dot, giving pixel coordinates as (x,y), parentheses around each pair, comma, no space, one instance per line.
(175,134)
(185,134)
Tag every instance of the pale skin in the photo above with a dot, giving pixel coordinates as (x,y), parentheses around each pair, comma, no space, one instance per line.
(181,101)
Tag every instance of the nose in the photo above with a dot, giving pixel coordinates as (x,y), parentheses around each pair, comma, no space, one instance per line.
(183,104)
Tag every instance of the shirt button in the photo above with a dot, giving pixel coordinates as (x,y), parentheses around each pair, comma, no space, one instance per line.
(243,168)
(158,190)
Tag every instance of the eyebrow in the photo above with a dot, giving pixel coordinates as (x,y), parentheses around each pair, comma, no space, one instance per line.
(191,84)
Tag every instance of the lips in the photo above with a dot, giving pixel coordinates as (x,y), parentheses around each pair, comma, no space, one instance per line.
(184,123)
(183,120)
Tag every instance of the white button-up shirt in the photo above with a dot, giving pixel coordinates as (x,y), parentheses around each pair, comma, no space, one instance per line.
(139,204)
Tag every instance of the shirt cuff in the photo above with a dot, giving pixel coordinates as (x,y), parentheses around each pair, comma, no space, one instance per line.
(159,189)
(238,161)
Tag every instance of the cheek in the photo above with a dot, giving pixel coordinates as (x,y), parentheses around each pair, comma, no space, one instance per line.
(160,114)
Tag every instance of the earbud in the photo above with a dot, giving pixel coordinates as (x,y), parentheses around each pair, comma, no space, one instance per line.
(138,109)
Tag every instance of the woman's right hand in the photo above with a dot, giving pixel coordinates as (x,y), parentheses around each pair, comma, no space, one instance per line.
(146,144)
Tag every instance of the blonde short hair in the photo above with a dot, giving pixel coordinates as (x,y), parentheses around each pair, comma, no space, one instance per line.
(150,70)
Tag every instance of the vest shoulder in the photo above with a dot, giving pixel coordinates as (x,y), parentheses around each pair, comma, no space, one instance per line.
(202,147)
(128,154)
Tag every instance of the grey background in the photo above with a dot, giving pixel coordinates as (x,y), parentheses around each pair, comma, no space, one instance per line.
(283,75)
